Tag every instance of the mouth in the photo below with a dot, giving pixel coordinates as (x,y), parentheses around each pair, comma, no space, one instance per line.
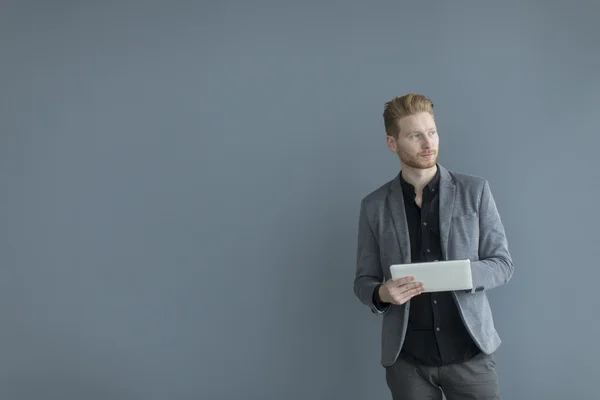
(427,155)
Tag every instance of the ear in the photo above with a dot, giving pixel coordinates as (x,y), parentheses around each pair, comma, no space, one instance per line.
(391,143)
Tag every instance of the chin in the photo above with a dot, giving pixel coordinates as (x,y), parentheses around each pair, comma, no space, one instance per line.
(427,166)
(431,164)
(416,161)
(421,164)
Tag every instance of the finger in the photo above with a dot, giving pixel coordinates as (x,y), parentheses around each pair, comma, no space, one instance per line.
(407,295)
(407,287)
(403,281)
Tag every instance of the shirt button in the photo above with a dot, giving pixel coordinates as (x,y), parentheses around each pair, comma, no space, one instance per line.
(435,302)
(429,251)
(437,329)
(424,223)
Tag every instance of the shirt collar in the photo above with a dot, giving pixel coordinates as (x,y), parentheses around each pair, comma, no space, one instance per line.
(433,184)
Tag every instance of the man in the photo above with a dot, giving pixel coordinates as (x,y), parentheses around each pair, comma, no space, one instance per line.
(431,342)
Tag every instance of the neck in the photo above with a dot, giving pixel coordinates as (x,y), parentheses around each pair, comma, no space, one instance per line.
(418,177)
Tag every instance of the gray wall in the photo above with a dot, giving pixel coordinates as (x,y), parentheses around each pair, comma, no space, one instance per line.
(180,184)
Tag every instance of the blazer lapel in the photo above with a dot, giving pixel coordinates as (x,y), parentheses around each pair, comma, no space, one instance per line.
(447,195)
(396,204)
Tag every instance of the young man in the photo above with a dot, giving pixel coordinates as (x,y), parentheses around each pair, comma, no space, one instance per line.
(431,342)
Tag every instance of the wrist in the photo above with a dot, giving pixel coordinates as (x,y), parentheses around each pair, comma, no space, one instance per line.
(382,295)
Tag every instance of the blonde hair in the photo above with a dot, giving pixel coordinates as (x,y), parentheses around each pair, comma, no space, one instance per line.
(399,107)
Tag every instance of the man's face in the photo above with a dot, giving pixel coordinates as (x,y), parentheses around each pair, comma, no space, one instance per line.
(417,143)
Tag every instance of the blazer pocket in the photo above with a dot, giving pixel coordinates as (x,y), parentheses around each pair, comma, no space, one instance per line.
(464,233)
(467,216)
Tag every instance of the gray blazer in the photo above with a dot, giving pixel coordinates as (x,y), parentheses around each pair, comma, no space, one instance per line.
(470,228)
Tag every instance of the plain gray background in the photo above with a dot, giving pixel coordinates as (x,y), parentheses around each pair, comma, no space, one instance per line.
(180,187)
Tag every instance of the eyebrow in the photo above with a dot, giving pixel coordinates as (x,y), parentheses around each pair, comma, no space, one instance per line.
(427,130)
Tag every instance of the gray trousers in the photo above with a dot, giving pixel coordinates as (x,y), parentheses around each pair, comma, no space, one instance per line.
(475,379)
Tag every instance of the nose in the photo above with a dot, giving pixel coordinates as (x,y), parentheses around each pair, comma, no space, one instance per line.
(427,142)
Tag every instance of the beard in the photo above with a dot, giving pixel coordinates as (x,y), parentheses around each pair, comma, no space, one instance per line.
(417,161)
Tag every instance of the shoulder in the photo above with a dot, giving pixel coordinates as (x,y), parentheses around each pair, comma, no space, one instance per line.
(467,185)
(379,195)
(467,180)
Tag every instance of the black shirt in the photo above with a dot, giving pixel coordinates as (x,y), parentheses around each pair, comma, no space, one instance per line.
(436,334)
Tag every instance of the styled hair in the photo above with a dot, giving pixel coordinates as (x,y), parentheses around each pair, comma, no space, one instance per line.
(398,107)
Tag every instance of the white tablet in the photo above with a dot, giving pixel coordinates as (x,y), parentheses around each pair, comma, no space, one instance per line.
(437,276)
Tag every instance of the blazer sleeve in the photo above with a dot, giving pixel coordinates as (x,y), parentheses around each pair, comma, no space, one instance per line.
(495,266)
(368,274)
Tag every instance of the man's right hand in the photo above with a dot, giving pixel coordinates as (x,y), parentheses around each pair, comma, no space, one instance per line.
(399,291)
